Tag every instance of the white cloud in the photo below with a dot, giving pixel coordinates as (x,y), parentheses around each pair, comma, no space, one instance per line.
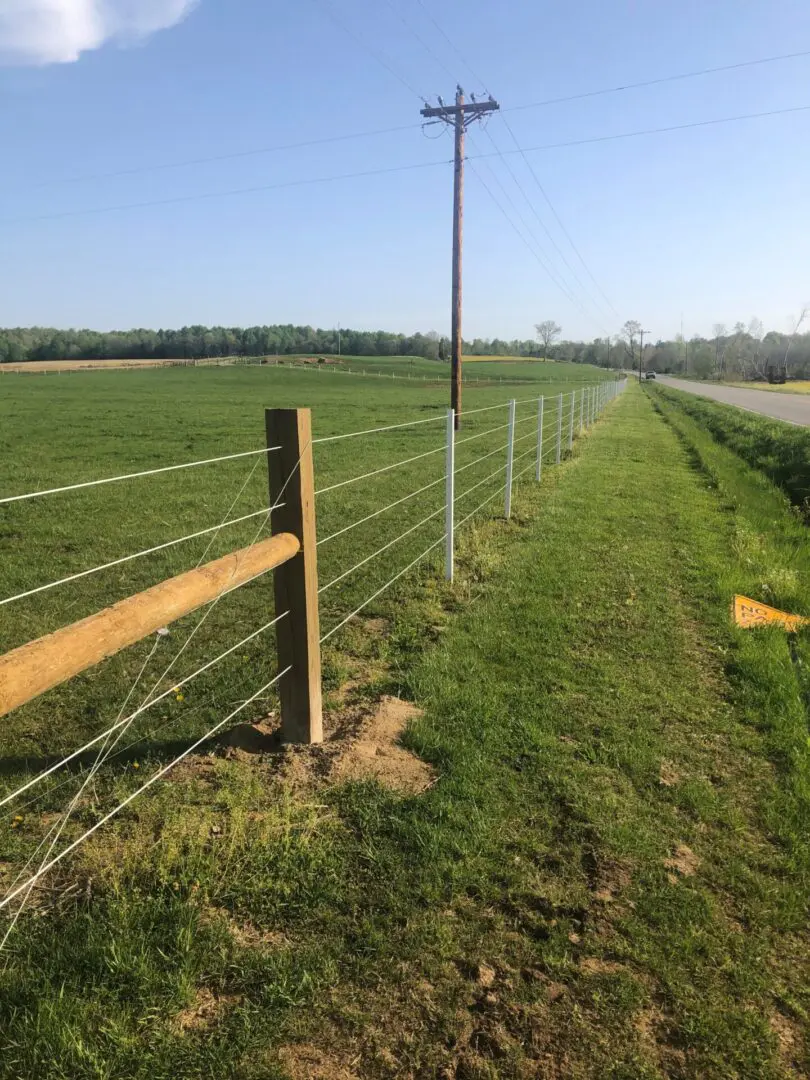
(59,31)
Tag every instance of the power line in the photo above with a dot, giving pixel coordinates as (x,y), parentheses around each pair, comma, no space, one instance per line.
(258,151)
(331,13)
(528,243)
(428,49)
(235,155)
(452,45)
(557,218)
(659,81)
(231,191)
(540,221)
(527,231)
(659,130)
(405,168)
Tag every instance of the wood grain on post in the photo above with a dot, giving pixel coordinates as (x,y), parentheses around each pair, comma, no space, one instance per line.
(292,484)
(32,669)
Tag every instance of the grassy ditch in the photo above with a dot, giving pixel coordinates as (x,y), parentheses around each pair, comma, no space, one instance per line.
(779,450)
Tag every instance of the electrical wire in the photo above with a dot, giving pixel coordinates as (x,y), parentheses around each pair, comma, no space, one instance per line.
(527,235)
(531,232)
(329,9)
(213,158)
(174,200)
(428,13)
(326,140)
(557,218)
(402,168)
(659,81)
(659,130)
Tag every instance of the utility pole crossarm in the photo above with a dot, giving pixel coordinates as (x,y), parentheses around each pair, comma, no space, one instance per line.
(472,110)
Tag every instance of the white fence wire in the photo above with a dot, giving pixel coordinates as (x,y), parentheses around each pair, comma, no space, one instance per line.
(555,422)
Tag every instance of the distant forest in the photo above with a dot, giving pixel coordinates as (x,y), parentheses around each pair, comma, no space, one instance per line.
(744,351)
(198,342)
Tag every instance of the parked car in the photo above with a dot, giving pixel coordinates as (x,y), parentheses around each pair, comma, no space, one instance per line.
(649,374)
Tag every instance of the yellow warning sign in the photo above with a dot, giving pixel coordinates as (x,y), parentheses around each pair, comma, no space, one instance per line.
(748,613)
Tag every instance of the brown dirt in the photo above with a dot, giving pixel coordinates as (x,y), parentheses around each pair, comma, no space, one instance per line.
(788,1039)
(377,754)
(668,775)
(85,365)
(592,965)
(362,742)
(304,1062)
(206,1011)
(683,862)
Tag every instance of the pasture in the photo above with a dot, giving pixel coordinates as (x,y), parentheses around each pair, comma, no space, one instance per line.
(58,431)
(604,872)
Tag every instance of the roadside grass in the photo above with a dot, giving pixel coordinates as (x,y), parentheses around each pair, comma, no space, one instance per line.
(779,450)
(608,878)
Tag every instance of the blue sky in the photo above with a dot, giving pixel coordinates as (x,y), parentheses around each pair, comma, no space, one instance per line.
(707,222)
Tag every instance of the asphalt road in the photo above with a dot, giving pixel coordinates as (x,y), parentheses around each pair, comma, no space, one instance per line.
(794,408)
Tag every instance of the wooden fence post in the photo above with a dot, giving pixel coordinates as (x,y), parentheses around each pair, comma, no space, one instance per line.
(292,484)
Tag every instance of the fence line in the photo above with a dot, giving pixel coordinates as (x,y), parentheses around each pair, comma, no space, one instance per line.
(584,404)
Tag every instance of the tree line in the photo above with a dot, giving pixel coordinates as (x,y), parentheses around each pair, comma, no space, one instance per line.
(199,342)
(744,351)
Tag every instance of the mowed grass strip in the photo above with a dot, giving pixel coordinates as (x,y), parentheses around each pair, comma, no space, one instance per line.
(592,888)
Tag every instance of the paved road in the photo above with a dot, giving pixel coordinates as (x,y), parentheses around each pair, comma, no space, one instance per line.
(795,408)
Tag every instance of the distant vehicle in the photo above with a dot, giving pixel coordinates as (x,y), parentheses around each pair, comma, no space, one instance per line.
(649,374)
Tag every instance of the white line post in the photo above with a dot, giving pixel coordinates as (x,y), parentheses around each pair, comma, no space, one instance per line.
(510,456)
(581,409)
(539,469)
(571,421)
(558,452)
(450,495)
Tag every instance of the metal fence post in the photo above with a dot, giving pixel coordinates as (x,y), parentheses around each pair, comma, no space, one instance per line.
(510,455)
(581,409)
(558,453)
(292,486)
(539,470)
(571,421)
(450,495)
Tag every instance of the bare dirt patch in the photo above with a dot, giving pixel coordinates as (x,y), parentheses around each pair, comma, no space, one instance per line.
(304,1062)
(683,863)
(362,742)
(788,1040)
(668,775)
(592,965)
(377,754)
(207,1009)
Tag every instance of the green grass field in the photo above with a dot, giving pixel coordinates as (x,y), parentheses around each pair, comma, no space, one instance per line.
(609,875)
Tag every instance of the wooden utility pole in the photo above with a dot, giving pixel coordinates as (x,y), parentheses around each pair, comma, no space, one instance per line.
(459,116)
(641,352)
